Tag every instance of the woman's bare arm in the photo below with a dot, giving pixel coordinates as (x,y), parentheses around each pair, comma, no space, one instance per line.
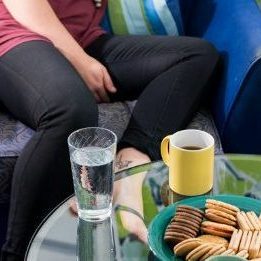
(39,17)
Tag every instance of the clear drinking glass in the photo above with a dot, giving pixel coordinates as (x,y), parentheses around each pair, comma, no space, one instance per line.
(92,153)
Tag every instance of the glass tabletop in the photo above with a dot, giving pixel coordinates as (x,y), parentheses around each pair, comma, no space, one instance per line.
(139,194)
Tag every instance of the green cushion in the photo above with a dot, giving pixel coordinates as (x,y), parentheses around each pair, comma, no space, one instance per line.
(143,17)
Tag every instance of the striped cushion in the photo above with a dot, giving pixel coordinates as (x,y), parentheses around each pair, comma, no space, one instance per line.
(143,17)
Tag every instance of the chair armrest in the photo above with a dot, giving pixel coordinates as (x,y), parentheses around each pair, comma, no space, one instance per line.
(234,27)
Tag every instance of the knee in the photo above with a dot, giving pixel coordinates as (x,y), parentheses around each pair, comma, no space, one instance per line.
(206,51)
(72,108)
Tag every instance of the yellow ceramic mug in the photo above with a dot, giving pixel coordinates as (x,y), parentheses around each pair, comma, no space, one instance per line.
(189,154)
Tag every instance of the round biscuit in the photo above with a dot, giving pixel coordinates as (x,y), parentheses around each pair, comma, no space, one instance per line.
(193,228)
(186,221)
(219,219)
(221,214)
(216,232)
(190,210)
(199,251)
(223,204)
(174,226)
(228,252)
(175,236)
(177,230)
(218,226)
(184,247)
(216,207)
(213,239)
(215,250)
(186,241)
(188,216)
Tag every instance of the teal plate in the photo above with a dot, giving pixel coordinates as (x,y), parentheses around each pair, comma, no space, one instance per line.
(158,225)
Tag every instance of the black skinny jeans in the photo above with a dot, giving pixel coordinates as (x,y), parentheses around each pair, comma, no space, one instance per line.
(167,75)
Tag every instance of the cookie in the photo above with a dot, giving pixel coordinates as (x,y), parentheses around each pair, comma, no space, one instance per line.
(198,252)
(242,245)
(252,217)
(186,246)
(235,240)
(189,222)
(228,252)
(243,222)
(248,240)
(221,212)
(255,245)
(222,209)
(210,215)
(193,227)
(189,209)
(214,251)
(223,205)
(213,239)
(247,220)
(217,229)
(243,253)
(174,238)
(189,216)
(179,228)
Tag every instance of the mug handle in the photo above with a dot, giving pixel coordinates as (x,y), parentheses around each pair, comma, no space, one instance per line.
(164,148)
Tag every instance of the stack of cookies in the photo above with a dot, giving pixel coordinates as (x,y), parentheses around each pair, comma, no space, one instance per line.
(184,225)
(221,212)
(222,218)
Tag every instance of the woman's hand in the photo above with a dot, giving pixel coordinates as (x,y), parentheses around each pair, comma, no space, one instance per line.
(97,78)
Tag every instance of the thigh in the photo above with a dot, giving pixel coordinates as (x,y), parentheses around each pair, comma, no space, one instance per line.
(134,61)
(36,80)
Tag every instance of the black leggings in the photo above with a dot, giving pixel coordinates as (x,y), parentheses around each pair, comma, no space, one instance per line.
(40,88)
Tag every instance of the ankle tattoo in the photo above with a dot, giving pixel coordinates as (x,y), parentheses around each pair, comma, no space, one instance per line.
(122,164)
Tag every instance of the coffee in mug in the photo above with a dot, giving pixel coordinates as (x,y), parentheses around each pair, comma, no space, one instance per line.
(189,154)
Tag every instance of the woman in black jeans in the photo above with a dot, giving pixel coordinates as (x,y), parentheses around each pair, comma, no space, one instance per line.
(53,75)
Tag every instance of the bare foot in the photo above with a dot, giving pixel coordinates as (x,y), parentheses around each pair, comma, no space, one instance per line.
(128,191)
(73,207)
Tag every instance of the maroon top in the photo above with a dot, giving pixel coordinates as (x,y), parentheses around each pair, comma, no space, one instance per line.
(80,17)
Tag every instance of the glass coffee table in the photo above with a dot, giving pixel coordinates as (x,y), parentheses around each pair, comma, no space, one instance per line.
(140,193)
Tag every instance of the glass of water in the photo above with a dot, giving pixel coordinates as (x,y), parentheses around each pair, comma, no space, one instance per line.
(92,153)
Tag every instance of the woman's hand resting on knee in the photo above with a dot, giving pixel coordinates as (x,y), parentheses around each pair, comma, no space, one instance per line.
(96,77)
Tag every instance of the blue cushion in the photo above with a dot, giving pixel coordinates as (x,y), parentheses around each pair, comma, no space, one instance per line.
(234,27)
(143,17)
